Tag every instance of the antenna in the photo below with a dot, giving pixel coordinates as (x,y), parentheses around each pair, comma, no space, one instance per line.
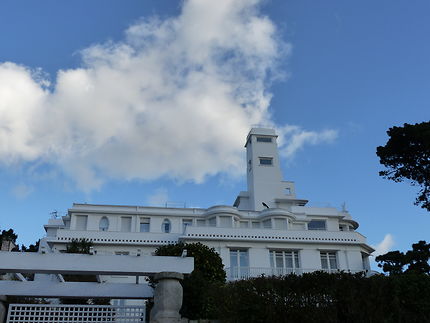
(344,207)
(54,214)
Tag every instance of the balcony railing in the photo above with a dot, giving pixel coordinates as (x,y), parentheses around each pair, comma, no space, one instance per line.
(236,273)
(249,234)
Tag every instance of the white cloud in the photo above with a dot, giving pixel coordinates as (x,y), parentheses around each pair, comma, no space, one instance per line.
(295,138)
(175,98)
(21,191)
(159,198)
(384,246)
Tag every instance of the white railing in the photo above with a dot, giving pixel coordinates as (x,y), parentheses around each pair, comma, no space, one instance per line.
(236,273)
(58,313)
(250,234)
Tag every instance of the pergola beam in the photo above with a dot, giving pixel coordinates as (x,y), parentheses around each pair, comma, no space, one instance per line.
(75,289)
(56,263)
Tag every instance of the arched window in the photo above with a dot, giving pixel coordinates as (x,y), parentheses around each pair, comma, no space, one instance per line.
(104,224)
(165,227)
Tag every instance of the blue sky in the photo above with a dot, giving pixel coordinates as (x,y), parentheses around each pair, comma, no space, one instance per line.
(142,102)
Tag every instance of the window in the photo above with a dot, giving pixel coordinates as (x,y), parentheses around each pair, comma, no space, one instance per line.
(144,224)
(126,224)
(81,222)
(104,224)
(255,224)
(225,221)
(264,139)
(201,223)
(239,263)
(288,191)
(212,222)
(267,224)
(280,224)
(316,225)
(328,261)
(165,227)
(284,262)
(243,224)
(266,161)
(365,261)
(186,223)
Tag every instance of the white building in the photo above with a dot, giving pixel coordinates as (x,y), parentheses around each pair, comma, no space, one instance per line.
(266,231)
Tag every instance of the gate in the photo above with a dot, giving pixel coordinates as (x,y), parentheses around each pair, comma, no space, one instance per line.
(58,313)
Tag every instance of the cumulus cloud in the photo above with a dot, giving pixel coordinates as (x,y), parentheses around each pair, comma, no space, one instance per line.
(175,98)
(295,138)
(384,246)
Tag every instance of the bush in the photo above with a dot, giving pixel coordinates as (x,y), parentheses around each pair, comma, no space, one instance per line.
(329,298)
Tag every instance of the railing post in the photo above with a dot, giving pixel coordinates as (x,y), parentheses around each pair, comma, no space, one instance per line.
(167,298)
(2,309)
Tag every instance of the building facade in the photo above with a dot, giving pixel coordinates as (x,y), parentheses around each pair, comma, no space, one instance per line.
(268,230)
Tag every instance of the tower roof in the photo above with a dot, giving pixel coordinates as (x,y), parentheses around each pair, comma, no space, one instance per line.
(261,132)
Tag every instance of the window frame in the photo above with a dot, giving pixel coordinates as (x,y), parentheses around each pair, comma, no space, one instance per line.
(148,223)
(265,161)
(104,219)
(317,228)
(326,257)
(275,254)
(264,139)
(164,229)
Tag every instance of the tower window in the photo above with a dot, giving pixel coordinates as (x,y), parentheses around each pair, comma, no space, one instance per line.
(267,161)
(264,139)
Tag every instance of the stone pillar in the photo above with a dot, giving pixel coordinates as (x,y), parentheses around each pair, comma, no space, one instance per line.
(2,309)
(167,298)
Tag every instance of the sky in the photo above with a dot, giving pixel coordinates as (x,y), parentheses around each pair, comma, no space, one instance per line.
(149,102)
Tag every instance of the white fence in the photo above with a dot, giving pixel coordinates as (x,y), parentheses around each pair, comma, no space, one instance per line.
(58,313)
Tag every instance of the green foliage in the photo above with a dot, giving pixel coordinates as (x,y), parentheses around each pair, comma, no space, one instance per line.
(8,235)
(79,246)
(208,275)
(326,298)
(407,157)
(392,262)
(416,260)
(31,248)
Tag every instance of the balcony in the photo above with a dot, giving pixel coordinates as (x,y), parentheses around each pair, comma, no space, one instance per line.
(117,238)
(249,234)
(237,273)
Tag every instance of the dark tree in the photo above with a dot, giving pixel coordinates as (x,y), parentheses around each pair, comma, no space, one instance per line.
(8,235)
(31,248)
(416,260)
(392,262)
(79,246)
(407,158)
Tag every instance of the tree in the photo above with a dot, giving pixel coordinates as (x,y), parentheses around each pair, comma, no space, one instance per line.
(392,262)
(416,260)
(207,276)
(81,246)
(407,157)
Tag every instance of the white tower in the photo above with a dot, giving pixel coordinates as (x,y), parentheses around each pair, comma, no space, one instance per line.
(264,177)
